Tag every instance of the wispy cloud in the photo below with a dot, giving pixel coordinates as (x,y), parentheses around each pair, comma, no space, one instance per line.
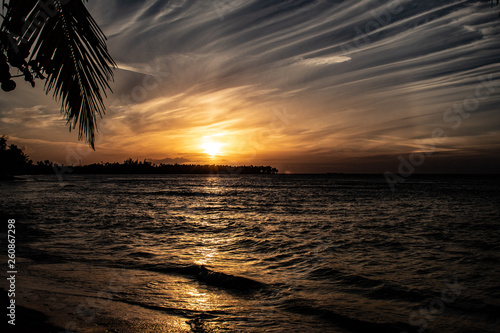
(362,78)
(38,116)
(323,61)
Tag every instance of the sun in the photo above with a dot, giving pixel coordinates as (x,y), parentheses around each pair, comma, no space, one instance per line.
(212,148)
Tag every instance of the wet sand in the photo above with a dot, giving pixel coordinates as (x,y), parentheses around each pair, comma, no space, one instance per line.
(27,320)
(56,306)
(40,317)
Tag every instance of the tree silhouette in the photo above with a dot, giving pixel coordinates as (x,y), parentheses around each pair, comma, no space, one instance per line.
(14,160)
(58,41)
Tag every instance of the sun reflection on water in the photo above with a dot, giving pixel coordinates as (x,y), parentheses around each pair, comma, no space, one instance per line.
(198,300)
(205,255)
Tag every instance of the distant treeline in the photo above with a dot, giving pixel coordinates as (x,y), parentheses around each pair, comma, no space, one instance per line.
(137,167)
(13,161)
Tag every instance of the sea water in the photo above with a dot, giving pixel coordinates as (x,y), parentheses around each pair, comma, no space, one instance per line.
(268,253)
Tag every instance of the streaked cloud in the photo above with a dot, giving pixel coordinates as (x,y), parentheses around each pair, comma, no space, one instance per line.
(321,61)
(362,79)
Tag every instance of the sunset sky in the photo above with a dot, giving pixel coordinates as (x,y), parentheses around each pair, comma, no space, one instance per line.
(304,86)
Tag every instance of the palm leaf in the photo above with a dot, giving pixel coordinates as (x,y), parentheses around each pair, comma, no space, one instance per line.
(71,49)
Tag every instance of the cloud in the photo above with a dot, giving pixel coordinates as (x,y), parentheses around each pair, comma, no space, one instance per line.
(361,77)
(38,116)
(322,61)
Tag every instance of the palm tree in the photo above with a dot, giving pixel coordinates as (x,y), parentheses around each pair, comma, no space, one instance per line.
(58,41)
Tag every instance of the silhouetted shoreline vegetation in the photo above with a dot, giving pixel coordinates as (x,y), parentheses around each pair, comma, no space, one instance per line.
(16,162)
(144,167)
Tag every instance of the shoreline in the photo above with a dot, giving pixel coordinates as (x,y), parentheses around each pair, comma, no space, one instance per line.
(47,303)
(28,320)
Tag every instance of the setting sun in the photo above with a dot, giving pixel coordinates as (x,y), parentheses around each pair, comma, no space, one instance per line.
(212,148)
(255,169)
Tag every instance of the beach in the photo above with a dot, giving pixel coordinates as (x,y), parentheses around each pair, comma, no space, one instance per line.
(51,305)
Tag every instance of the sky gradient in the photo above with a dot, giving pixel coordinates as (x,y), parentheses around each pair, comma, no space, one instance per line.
(304,86)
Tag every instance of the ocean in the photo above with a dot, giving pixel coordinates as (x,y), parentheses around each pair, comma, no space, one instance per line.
(259,253)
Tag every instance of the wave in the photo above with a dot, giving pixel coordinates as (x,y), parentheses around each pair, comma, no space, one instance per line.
(345,278)
(171,193)
(344,321)
(208,276)
(183,312)
(372,288)
(141,254)
(387,291)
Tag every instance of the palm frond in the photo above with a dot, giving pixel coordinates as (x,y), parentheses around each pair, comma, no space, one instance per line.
(70,48)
